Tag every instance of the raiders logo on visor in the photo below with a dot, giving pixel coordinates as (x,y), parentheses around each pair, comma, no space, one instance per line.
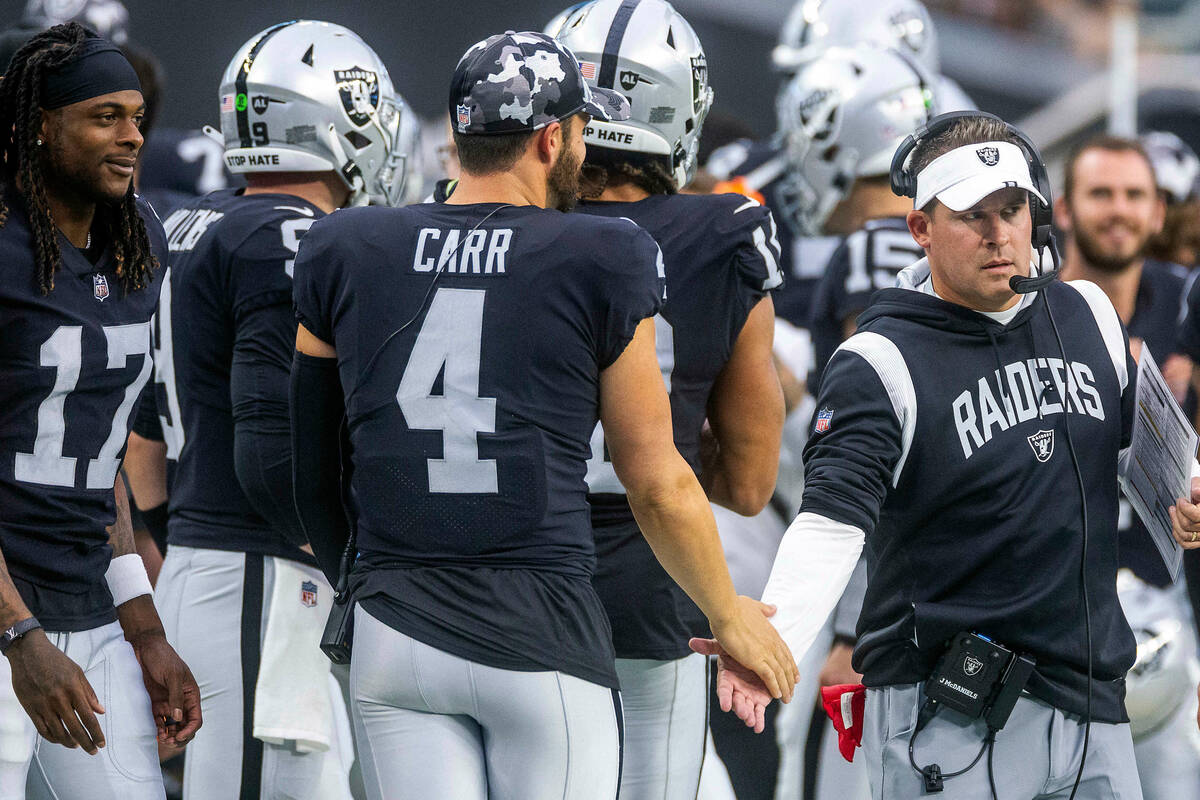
(990,156)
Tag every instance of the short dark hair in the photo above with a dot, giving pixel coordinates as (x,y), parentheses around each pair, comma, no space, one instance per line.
(962,132)
(483,154)
(1103,141)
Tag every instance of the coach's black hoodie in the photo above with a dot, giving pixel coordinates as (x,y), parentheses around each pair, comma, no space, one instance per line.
(941,433)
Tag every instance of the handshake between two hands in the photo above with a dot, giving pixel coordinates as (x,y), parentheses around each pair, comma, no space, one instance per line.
(747,688)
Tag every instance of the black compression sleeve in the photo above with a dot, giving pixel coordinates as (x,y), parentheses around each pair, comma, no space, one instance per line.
(317,408)
(262,447)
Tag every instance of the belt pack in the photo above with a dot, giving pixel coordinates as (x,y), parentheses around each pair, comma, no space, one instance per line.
(979,678)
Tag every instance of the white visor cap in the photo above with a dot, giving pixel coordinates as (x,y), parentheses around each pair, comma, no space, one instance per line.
(966,175)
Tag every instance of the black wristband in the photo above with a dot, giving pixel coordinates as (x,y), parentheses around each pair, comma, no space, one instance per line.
(19,629)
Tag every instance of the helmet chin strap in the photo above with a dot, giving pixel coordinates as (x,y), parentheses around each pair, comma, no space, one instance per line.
(348,170)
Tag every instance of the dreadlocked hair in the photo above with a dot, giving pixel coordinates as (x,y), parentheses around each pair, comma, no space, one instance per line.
(23,165)
(606,167)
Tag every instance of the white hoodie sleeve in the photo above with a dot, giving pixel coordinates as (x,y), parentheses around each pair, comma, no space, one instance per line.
(811,570)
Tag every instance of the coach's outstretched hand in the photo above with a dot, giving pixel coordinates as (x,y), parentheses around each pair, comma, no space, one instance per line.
(55,693)
(754,663)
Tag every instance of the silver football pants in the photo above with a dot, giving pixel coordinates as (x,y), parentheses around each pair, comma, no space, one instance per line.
(430,724)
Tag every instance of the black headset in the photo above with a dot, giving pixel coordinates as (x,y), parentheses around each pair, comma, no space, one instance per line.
(904,183)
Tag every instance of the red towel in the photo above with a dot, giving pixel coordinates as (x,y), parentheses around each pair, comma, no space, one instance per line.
(844,704)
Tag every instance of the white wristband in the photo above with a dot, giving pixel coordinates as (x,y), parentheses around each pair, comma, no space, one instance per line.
(127,578)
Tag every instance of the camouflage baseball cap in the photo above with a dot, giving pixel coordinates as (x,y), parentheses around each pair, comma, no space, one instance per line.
(514,82)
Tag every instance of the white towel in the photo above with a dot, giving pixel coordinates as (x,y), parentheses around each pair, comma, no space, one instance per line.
(292,701)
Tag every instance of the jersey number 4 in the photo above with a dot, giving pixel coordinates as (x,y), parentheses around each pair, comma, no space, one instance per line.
(449,345)
(47,465)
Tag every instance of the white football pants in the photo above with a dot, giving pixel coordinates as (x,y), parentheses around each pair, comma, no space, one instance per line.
(126,768)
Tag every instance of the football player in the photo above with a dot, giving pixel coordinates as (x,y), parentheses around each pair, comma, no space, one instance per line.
(310,118)
(713,333)
(85,652)
(473,345)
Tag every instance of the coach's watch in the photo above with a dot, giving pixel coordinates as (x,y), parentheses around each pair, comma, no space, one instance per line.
(19,629)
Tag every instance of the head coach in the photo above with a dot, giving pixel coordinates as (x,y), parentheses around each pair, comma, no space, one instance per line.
(970,436)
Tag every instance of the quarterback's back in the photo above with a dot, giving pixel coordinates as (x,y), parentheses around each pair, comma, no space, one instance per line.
(472,375)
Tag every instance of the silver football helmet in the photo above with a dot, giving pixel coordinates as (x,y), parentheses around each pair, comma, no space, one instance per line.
(814,25)
(1176,166)
(1162,677)
(309,96)
(842,117)
(556,22)
(109,18)
(654,58)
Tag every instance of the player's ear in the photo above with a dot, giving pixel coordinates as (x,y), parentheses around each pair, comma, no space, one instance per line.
(918,225)
(549,142)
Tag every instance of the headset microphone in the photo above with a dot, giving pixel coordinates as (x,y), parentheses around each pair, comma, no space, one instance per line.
(1027,285)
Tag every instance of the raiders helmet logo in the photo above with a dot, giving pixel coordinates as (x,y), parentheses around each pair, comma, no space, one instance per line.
(1042,443)
(972,666)
(359,90)
(988,155)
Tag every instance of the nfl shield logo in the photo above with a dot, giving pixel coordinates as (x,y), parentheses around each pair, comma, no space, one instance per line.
(464,116)
(100,287)
(988,155)
(308,594)
(824,417)
(1042,443)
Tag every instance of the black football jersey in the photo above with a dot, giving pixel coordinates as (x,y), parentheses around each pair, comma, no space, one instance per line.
(802,258)
(72,366)
(721,255)
(470,343)
(231,257)
(867,260)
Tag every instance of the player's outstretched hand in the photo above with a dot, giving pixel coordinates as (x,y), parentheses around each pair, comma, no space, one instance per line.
(750,639)
(174,695)
(738,689)
(1185,518)
(55,693)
